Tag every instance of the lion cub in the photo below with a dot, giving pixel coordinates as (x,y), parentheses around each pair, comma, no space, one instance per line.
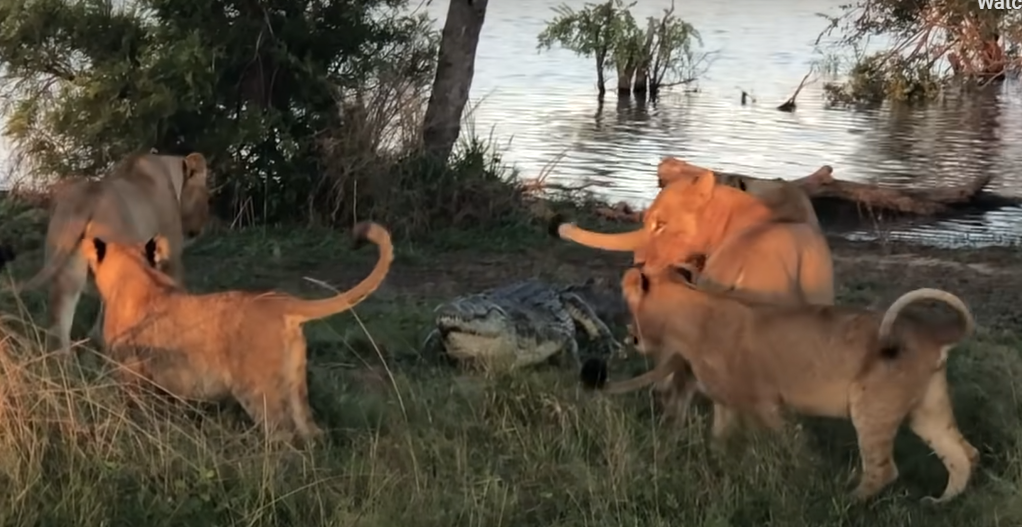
(237,344)
(876,369)
(144,194)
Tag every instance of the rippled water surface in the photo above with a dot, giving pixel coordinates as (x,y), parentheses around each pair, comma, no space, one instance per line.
(542,104)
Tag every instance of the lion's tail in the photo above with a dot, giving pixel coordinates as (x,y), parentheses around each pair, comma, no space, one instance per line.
(968,323)
(64,234)
(313,309)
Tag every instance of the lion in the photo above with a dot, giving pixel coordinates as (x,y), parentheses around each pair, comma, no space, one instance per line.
(772,246)
(145,194)
(755,358)
(245,345)
(785,199)
(747,245)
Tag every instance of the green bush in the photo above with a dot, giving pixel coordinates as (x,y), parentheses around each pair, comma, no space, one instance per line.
(307,110)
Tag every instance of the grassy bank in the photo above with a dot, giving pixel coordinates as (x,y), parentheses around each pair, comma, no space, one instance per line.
(414,443)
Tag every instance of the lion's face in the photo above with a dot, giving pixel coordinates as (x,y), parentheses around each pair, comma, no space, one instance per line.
(635,287)
(195,210)
(676,223)
(633,337)
(651,299)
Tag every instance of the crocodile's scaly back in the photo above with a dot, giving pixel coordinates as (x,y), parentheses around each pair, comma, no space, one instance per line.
(604,299)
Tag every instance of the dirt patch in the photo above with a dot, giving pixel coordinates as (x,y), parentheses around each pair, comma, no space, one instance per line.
(917,261)
(866,273)
(460,272)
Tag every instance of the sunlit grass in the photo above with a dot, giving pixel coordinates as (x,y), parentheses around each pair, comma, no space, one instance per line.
(411,442)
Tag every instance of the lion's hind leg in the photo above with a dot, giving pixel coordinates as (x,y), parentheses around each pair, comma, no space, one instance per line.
(269,409)
(298,391)
(96,333)
(768,414)
(933,421)
(876,424)
(65,292)
(725,421)
(678,390)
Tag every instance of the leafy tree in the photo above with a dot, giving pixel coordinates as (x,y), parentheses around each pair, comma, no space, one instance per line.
(647,60)
(669,56)
(589,32)
(935,43)
(262,87)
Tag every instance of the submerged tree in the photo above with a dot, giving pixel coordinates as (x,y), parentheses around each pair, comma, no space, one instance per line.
(660,56)
(668,56)
(588,32)
(934,43)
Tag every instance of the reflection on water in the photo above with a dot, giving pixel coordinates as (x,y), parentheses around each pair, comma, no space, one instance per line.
(540,105)
(543,104)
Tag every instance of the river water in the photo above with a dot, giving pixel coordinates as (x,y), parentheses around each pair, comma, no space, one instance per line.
(540,105)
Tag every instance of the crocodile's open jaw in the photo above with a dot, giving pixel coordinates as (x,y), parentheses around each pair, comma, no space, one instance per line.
(473,329)
(491,325)
(527,322)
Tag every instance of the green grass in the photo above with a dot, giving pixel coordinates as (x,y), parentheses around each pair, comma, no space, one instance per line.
(412,442)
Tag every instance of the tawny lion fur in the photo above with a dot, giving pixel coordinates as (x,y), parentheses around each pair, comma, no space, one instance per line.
(245,345)
(875,368)
(769,245)
(145,194)
(776,193)
(747,246)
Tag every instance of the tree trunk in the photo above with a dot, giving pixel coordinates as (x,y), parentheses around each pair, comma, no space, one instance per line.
(639,87)
(625,72)
(641,84)
(454,72)
(601,81)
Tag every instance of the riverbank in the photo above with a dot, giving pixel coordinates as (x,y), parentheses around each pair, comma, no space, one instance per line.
(416,443)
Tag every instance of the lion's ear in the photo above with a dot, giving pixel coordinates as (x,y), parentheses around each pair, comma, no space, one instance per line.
(670,170)
(704,185)
(94,250)
(157,250)
(194,167)
(634,286)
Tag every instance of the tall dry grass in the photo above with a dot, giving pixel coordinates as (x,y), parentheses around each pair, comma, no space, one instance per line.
(434,446)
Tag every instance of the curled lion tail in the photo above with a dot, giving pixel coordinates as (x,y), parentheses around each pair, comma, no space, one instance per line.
(378,235)
(926,293)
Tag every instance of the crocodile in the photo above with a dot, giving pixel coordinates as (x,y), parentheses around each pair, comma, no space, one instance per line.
(528,322)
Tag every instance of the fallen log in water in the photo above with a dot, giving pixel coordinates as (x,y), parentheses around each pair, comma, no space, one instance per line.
(836,198)
(822,185)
